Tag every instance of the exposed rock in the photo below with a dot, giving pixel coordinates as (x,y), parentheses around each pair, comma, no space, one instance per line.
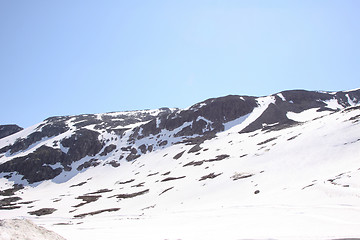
(168,189)
(132,156)
(216,110)
(7,130)
(96,212)
(267,141)
(177,156)
(194,163)
(209,176)
(100,191)
(43,211)
(114,163)
(163,143)
(143,148)
(82,143)
(238,176)
(129,181)
(9,203)
(91,163)
(35,166)
(172,178)
(78,185)
(130,195)
(11,191)
(51,128)
(195,148)
(87,199)
(108,149)
(218,158)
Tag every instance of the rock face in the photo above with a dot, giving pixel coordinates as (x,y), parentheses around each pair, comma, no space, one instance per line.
(36,166)
(62,144)
(6,130)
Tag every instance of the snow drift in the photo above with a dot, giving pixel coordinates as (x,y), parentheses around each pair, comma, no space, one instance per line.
(22,229)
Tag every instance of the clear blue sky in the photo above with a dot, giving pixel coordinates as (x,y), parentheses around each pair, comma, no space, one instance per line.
(82,56)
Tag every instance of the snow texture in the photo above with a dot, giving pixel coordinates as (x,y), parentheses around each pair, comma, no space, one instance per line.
(21,229)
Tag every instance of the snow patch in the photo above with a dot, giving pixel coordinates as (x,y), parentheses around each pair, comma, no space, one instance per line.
(352,102)
(158,121)
(53,166)
(281,96)
(333,104)
(235,122)
(306,115)
(243,121)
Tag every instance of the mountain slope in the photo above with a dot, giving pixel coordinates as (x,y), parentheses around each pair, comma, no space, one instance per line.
(222,168)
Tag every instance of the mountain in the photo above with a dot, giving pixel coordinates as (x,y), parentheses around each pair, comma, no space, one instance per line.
(221,169)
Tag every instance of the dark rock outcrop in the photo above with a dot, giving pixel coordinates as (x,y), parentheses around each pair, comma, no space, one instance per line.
(52,127)
(203,118)
(35,166)
(108,149)
(82,143)
(7,130)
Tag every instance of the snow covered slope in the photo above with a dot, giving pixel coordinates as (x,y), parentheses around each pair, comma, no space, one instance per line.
(285,166)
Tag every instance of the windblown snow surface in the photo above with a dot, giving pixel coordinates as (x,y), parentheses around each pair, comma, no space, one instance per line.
(298,182)
(20,229)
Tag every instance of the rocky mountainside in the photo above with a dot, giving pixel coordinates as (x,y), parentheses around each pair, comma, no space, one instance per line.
(218,159)
(56,146)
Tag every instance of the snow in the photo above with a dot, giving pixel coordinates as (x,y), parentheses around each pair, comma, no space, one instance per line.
(333,104)
(306,115)
(281,96)
(158,121)
(21,229)
(54,166)
(352,90)
(244,121)
(152,112)
(351,101)
(307,177)
(235,122)
(12,138)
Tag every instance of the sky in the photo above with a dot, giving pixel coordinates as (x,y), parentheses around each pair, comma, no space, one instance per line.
(83,56)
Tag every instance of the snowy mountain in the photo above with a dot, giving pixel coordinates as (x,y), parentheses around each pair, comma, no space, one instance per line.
(287,164)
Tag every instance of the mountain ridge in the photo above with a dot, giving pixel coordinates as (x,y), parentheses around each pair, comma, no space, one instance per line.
(220,169)
(202,120)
